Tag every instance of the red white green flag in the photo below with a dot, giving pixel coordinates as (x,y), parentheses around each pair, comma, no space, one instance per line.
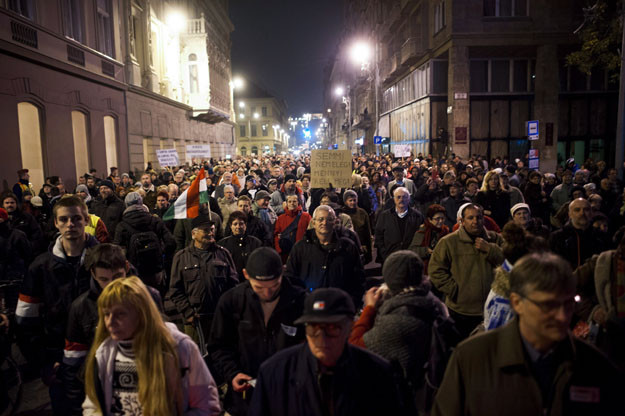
(188,204)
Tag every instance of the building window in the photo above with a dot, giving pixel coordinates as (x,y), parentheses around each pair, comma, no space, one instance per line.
(439,16)
(244,151)
(193,76)
(506,8)
(105,27)
(24,7)
(73,26)
(519,83)
(28,119)
(252,111)
(81,147)
(255,150)
(242,131)
(265,130)
(479,76)
(439,77)
(110,141)
(146,151)
(500,76)
(264,111)
(254,132)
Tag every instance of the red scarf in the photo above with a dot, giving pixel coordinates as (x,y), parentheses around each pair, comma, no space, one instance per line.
(430,229)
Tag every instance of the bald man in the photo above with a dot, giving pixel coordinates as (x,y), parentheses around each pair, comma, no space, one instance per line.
(576,241)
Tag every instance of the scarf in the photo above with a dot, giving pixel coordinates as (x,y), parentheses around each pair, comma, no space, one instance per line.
(620,287)
(432,232)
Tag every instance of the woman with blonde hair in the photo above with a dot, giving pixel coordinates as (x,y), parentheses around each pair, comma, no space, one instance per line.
(139,364)
(494,199)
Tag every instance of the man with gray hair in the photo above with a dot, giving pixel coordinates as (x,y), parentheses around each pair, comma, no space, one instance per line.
(322,258)
(395,227)
(532,365)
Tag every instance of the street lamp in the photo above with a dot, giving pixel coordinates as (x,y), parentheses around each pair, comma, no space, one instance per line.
(348,103)
(361,53)
(241,104)
(176,21)
(238,83)
(256,115)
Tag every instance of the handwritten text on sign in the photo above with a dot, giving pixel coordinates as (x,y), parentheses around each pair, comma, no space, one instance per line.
(167,157)
(331,167)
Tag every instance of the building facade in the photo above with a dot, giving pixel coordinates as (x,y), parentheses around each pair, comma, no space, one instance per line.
(105,83)
(262,126)
(465,76)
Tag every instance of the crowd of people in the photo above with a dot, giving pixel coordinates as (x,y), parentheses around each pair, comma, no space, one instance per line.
(261,304)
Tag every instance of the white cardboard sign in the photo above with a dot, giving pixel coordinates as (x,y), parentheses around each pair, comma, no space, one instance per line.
(167,157)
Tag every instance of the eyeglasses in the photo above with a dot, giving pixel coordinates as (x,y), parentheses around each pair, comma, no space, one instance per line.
(325,219)
(330,330)
(552,306)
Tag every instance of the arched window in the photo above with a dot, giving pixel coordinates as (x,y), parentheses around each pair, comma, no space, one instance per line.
(30,142)
(81,148)
(110,141)
(243,151)
(194,86)
(255,150)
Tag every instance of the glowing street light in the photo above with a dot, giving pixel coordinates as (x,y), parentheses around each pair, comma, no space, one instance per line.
(241,116)
(361,53)
(339,91)
(176,22)
(256,115)
(241,104)
(237,83)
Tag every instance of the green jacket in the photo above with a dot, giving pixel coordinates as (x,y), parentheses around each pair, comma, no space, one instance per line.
(463,273)
(490,375)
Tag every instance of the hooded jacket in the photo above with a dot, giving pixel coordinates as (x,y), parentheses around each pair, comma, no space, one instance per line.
(134,220)
(49,288)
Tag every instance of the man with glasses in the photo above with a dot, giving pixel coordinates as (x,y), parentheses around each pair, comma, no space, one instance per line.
(325,375)
(322,258)
(252,322)
(533,365)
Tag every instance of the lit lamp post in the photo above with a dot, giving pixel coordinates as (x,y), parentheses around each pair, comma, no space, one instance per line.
(339,92)
(362,53)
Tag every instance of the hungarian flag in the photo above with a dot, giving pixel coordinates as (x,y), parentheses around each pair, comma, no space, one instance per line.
(188,204)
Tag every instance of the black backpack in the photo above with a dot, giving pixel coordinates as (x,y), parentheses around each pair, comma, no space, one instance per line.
(288,236)
(443,341)
(145,252)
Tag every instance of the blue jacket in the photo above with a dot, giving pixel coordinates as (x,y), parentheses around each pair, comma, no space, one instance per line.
(363,385)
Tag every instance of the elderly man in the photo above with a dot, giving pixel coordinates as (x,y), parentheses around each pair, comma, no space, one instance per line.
(532,366)
(325,375)
(227,204)
(324,259)
(252,322)
(200,274)
(576,241)
(396,227)
(226,179)
(462,268)
(522,216)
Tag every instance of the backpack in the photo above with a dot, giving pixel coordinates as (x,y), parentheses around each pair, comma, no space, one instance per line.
(145,252)
(443,341)
(289,235)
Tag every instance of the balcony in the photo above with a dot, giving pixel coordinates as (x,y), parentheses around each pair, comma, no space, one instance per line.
(411,51)
(196,26)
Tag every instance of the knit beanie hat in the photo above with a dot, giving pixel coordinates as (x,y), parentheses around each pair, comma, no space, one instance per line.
(349,194)
(402,269)
(290,177)
(108,184)
(133,198)
(82,188)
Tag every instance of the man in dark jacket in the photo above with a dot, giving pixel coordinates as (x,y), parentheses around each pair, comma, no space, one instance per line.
(109,208)
(136,219)
(323,259)
(395,227)
(453,202)
(325,375)
(252,322)
(239,244)
(200,274)
(150,193)
(54,280)
(533,365)
(576,241)
(24,222)
(15,253)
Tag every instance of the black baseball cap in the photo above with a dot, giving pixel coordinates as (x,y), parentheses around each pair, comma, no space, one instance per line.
(264,264)
(201,221)
(327,305)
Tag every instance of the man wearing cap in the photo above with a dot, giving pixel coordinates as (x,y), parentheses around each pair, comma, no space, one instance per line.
(325,375)
(108,207)
(398,174)
(262,209)
(22,184)
(289,187)
(522,216)
(324,258)
(200,274)
(252,322)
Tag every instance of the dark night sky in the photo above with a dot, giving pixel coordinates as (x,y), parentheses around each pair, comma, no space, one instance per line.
(283,45)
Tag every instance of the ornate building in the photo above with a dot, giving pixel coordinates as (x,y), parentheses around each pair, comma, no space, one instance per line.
(464,76)
(105,83)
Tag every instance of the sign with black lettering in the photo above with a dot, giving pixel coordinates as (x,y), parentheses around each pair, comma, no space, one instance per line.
(330,167)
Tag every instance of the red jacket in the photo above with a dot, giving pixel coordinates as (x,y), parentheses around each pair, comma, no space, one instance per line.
(283,222)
